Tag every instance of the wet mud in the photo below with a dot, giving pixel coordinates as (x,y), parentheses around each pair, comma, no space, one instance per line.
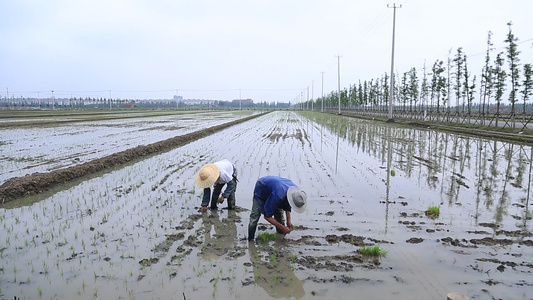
(146,236)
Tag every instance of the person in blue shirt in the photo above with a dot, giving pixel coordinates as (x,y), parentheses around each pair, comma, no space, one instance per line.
(272,196)
(217,175)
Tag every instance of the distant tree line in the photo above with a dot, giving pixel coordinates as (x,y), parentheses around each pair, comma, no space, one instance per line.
(104,103)
(446,82)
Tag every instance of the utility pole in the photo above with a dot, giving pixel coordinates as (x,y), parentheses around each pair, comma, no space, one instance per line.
(312,94)
(322,110)
(110,99)
(339,81)
(53,101)
(307,101)
(391,96)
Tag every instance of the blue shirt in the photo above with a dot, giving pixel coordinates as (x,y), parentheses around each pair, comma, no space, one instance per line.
(272,191)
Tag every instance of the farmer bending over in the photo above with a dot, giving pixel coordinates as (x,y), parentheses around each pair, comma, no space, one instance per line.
(272,196)
(218,174)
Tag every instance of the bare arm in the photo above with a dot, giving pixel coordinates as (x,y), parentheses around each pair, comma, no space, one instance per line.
(288,216)
(278,225)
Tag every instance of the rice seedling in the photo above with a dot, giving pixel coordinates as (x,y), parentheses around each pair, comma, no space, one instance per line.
(273,259)
(433,211)
(293,257)
(267,236)
(276,278)
(373,251)
(45,268)
(215,282)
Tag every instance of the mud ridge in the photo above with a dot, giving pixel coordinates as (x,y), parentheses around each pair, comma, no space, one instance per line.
(35,183)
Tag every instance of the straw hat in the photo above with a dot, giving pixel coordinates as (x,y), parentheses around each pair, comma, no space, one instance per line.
(207,176)
(297,199)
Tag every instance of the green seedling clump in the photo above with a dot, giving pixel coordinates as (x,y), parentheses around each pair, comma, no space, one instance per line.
(433,211)
(266,236)
(297,227)
(373,251)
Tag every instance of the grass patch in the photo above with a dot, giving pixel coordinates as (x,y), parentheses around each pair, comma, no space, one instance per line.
(433,211)
(373,251)
(267,236)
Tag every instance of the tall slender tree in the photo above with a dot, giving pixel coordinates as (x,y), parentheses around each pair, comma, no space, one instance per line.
(344,97)
(371,95)
(436,81)
(512,56)
(441,89)
(527,85)
(365,93)
(360,94)
(352,96)
(424,87)
(375,89)
(471,92)
(449,79)
(499,83)
(486,78)
(466,85)
(413,88)
(458,60)
(404,91)
(385,89)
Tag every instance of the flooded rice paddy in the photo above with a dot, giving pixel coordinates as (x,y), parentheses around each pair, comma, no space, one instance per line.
(26,150)
(137,233)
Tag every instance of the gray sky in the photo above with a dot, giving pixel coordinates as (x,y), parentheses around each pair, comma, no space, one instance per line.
(225,49)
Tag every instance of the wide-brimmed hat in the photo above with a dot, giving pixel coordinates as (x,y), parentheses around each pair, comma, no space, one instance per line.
(297,199)
(207,176)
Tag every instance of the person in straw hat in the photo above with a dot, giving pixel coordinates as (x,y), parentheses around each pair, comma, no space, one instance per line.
(272,196)
(217,175)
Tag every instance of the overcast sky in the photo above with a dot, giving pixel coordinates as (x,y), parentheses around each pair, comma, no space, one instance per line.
(225,49)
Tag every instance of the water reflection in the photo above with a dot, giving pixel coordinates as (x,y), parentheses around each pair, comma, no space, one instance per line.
(495,175)
(387,184)
(273,272)
(337,152)
(224,238)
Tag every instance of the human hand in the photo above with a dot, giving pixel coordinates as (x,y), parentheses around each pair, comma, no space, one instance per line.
(204,208)
(289,224)
(221,199)
(285,229)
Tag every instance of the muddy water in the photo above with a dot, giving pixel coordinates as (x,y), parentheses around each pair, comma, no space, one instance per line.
(136,233)
(28,149)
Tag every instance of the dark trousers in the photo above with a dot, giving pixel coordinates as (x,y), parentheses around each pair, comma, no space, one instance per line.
(217,189)
(257,210)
